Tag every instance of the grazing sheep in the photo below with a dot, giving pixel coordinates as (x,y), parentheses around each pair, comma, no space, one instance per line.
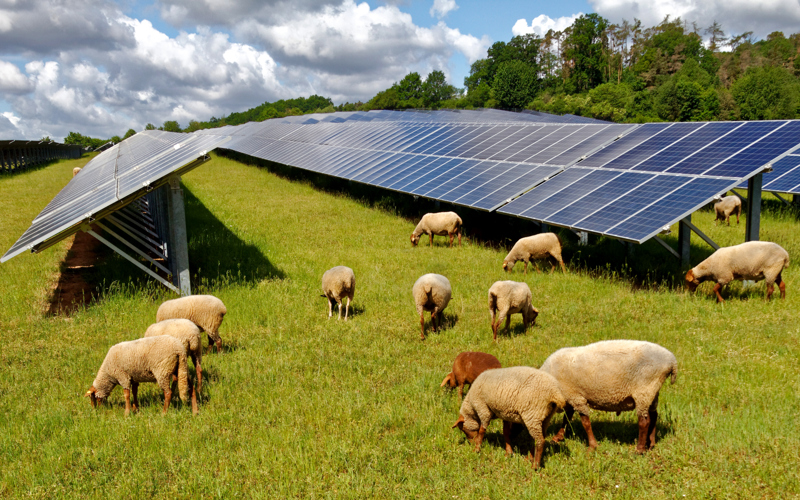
(517,395)
(75,171)
(613,375)
(337,283)
(187,332)
(442,224)
(727,206)
(153,359)
(466,368)
(511,297)
(753,260)
(539,246)
(206,311)
(432,293)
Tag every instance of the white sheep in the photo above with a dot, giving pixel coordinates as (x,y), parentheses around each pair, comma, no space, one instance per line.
(441,224)
(753,260)
(337,283)
(153,359)
(75,171)
(432,293)
(507,298)
(189,333)
(539,246)
(613,375)
(727,206)
(517,395)
(206,311)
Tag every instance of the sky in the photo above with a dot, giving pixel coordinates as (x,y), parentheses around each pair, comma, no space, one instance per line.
(101,67)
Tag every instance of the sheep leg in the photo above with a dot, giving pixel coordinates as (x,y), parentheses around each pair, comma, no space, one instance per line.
(194,401)
(452,235)
(507,437)
(430,239)
(526,268)
(340,309)
(422,325)
(330,308)
(127,393)
(644,427)
(568,412)
(461,392)
(219,346)
(167,399)
(496,325)
(508,323)
(535,430)
(199,371)
(210,342)
(651,431)
(135,391)
(587,426)
(770,289)
(781,286)
(459,238)
(346,309)
(717,288)
(479,438)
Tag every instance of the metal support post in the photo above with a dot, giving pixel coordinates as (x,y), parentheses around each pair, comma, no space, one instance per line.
(179,248)
(753,222)
(583,238)
(684,240)
(544,227)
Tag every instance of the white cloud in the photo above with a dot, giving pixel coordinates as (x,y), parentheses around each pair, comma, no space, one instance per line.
(541,24)
(441,8)
(736,16)
(12,80)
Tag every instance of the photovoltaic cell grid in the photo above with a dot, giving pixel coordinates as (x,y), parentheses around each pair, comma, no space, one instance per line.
(116,174)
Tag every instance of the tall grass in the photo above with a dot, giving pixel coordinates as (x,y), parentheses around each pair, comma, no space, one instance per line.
(302,406)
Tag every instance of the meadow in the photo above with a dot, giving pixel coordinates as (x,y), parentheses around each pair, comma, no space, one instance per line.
(300,406)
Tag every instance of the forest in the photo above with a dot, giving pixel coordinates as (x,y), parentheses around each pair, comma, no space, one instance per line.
(627,73)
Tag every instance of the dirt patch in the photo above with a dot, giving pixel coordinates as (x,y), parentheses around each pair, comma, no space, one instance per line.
(74,289)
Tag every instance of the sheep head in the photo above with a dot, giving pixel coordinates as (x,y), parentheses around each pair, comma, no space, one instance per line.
(449,381)
(91,393)
(531,315)
(467,432)
(691,281)
(508,265)
(414,239)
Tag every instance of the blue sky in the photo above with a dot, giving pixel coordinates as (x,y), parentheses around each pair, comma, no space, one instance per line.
(100,67)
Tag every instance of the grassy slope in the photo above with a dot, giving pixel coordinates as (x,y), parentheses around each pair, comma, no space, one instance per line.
(303,406)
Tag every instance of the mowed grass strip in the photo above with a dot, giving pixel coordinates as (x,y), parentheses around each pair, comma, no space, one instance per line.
(301,406)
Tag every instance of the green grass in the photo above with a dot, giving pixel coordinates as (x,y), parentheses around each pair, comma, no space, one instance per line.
(300,406)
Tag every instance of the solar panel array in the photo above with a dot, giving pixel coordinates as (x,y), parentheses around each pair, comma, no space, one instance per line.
(626,181)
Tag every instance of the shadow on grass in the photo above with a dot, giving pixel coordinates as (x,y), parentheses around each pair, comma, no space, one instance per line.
(448,321)
(355,309)
(523,444)
(21,170)
(607,432)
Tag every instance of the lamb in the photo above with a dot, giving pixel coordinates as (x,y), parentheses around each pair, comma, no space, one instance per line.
(337,283)
(206,311)
(521,395)
(75,171)
(725,207)
(158,359)
(187,332)
(753,260)
(613,375)
(539,246)
(466,368)
(432,293)
(510,297)
(441,223)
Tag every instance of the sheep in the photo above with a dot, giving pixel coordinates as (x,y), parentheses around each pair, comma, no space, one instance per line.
(189,333)
(75,171)
(337,283)
(613,375)
(510,297)
(521,395)
(466,368)
(160,359)
(206,311)
(441,223)
(432,293)
(725,207)
(753,260)
(539,246)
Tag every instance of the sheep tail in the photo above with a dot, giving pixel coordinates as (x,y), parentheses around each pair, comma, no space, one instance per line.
(673,375)
(492,302)
(560,243)
(183,377)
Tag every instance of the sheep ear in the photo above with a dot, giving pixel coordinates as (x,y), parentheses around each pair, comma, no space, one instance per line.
(459,423)
(447,380)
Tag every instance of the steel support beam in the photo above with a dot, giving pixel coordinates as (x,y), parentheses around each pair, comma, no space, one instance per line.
(701,234)
(753,222)
(684,241)
(179,245)
(785,202)
(666,245)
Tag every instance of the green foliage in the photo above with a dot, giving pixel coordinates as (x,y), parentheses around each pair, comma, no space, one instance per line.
(515,84)
(84,140)
(767,93)
(586,52)
(436,89)
(410,87)
(129,133)
(170,126)
(150,126)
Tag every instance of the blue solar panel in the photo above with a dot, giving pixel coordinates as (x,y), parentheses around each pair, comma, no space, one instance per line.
(624,144)
(429,164)
(544,191)
(434,179)
(529,175)
(760,153)
(484,172)
(495,178)
(785,177)
(578,136)
(410,163)
(574,211)
(672,207)
(435,189)
(651,146)
(529,141)
(633,201)
(555,134)
(441,168)
(685,147)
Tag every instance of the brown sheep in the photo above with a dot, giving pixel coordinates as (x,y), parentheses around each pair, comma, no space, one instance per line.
(466,368)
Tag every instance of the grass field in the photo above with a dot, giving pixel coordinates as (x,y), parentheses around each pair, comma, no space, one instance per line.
(300,406)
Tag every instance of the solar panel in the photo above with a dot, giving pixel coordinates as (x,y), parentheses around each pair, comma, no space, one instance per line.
(785,177)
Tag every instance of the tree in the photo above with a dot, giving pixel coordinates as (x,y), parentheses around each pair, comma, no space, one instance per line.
(766,93)
(129,133)
(149,126)
(586,47)
(171,126)
(410,87)
(717,36)
(436,89)
(515,85)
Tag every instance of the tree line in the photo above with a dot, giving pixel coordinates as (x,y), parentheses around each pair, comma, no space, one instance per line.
(626,72)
